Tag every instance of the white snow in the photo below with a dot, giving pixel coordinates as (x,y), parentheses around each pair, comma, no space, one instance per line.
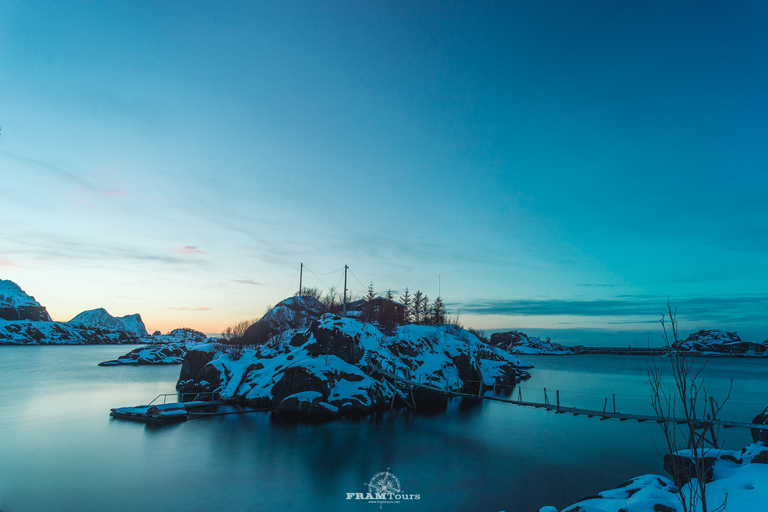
(101,318)
(745,483)
(11,295)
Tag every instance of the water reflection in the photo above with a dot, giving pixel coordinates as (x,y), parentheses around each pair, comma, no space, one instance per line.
(61,450)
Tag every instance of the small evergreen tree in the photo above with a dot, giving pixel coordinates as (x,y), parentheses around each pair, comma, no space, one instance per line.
(405,298)
(368,312)
(387,314)
(418,301)
(426,313)
(438,312)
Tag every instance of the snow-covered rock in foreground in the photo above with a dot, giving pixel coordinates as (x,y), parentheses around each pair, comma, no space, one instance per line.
(516,342)
(15,304)
(327,370)
(101,318)
(742,475)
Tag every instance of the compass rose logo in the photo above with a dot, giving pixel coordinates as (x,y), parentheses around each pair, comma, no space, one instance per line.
(384,488)
(384,482)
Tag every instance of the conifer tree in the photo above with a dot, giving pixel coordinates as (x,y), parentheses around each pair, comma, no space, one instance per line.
(418,302)
(438,312)
(368,312)
(405,298)
(426,316)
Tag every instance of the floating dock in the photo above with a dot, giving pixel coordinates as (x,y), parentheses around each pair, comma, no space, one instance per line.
(167,412)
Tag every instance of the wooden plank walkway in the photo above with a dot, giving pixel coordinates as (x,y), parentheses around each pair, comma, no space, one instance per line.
(575,411)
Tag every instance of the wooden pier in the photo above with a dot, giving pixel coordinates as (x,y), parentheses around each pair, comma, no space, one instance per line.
(169,412)
(408,385)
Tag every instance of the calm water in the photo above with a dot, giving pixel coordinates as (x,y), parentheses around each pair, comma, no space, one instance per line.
(60,451)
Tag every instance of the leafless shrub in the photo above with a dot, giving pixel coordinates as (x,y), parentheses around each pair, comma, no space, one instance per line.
(686,414)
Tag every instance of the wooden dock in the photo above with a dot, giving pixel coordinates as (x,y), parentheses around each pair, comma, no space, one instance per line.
(168,412)
(409,385)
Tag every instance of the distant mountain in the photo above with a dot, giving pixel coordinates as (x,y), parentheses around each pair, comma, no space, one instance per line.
(101,318)
(15,304)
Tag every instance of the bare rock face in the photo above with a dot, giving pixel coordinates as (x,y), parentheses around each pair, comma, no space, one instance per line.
(291,315)
(299,378)
(307,405)
(760,419)
(195,370)
(682,468)
(333,340)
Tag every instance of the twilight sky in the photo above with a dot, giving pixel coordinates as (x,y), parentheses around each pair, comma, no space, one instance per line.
(563,166)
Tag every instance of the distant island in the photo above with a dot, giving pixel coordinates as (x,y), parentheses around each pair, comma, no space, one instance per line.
(24,321)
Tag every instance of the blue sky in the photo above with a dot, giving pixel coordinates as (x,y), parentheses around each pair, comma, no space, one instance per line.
(562,166)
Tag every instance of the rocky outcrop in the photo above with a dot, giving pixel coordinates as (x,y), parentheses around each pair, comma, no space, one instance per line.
(516,342)
(681,467)
(760,419)
(170,353)
(278,326)
(102,319)
(713,341)
(16,305)
(331,368)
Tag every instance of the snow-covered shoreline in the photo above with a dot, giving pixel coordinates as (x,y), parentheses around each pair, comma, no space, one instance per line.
(739,478)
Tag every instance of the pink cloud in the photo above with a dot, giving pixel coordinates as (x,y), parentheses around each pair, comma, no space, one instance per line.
(186,308)
(8,263)
(189,249)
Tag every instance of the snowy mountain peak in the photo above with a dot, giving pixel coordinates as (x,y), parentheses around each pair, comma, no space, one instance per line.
(101,318)
(12,295)
(16,304)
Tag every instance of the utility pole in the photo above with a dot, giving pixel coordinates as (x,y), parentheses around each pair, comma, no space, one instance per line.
(301,274)
(344,308)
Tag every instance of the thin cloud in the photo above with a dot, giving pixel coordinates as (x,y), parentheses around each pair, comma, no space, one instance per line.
(187,308)
(692,308)
(59,248)
(189,249)
(9,263)
(248,281)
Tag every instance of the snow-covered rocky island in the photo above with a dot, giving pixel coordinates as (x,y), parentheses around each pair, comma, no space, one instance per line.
(516,342)
(305,362)
(162,349)
(716,342)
